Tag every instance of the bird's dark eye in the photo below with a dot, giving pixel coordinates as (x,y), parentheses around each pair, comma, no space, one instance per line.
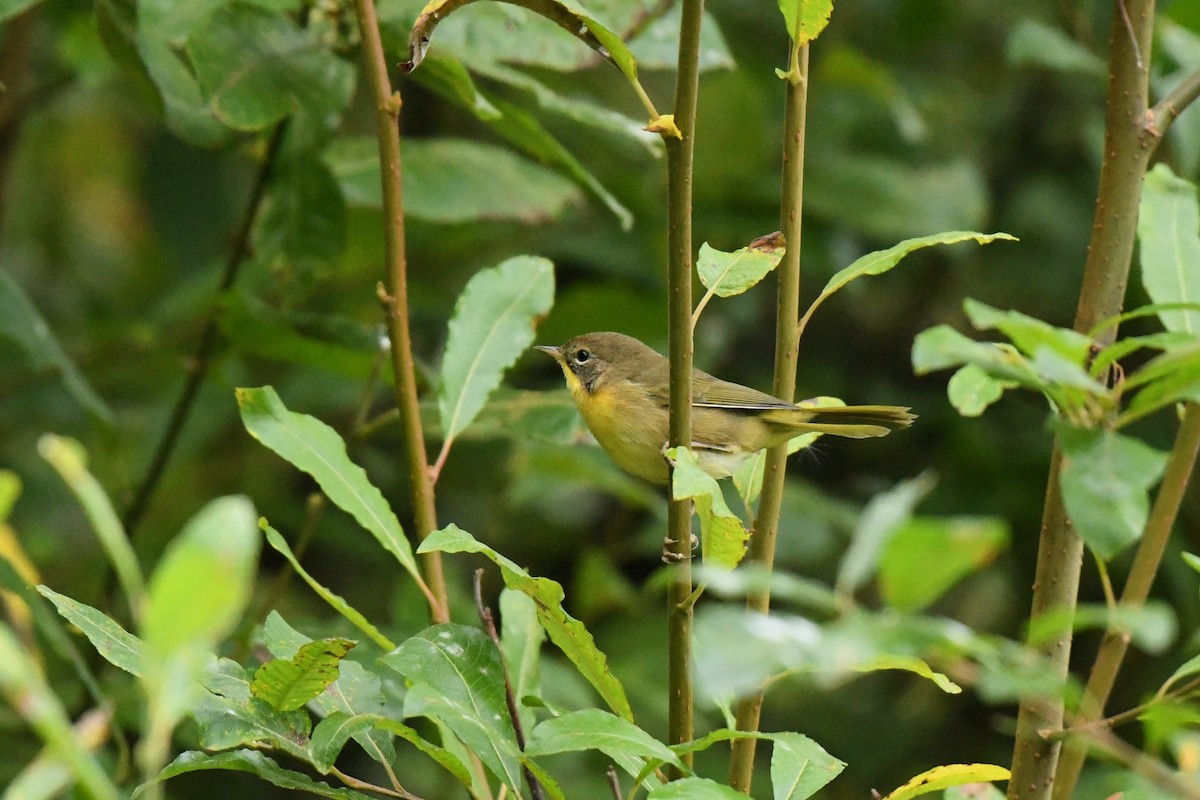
(581,356)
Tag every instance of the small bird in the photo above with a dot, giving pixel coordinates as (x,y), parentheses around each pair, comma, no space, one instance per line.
(621,388)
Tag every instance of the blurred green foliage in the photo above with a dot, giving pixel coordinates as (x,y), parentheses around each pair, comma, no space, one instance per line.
(125,169)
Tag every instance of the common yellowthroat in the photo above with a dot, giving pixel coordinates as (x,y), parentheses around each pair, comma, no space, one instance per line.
(621,388)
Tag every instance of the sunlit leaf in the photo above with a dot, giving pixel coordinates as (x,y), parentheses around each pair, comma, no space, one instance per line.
(313,447)
(21,323)
(800,767)
(593,729)
(492,326)
(258,764)
(568,633)
(288,684)
(805,19)
(929,555)
(723,535)
(944,777)
(1169,245)
(458,678)
(1105,480)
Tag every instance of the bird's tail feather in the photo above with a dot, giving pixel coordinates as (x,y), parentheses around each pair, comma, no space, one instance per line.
(853,422)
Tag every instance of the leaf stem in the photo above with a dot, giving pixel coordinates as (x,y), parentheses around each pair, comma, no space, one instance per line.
(201,361)
(1137,588)
(394,296)
(680,154)
(1105,276)
(787,348)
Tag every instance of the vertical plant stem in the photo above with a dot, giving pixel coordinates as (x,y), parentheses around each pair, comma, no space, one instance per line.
(787,346)
(202,359)
(394,295)
(1127,148)
(1137,588)
(679,314)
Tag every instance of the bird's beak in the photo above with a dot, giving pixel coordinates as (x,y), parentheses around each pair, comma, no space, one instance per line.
(553,352)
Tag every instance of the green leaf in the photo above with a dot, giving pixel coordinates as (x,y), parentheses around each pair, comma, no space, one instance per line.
(971,390)
(805,19)
(228,716)
(747,478)
(258,764)
(256,66)
(315,448)
(204,579)
(331,735)
(288,684)
(23,683)
(929,555)
(521,637)
(728,274)
(335,601)
(491,327)
(453,181)
(1030,334)
(881,261)
(1168,378)
(118,646)
(883,517)
(1169,245)
(1105,479)
(593,729)
(11,8)
(800,767)
(942,347)
(1151,627)
(695,789)
(909,664)
(944,777)
(723,537)
(1186,670)
(1036,44)
(21,323)
(305,217)
(657,46)
(567,633)
(457,677)
(69,460)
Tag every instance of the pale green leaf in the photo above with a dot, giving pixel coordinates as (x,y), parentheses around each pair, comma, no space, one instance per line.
(728,274)
(521,636)
(492,326)
(971,390)
(118,646)
(723,536)
(331,735)
(909,664)
(929,555)
(1029,334)
(695,789)
(1151,627)
(800,767)
(882,519)
(944,777)
(288,684)
(593,729)
(1169,245)
(1036,44)
(258,764)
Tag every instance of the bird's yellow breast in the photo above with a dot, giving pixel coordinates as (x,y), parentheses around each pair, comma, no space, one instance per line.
(630,426)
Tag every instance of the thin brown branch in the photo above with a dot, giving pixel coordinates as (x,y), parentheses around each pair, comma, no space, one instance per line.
(614,782)
(787,346)
(1128,715)
(394,296)
(1175,102)
(489,626)
(364,786)
(679,311)
(201,360)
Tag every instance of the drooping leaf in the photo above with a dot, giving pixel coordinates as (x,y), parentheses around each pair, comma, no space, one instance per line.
(944,777)
(800,767)
(1169,245)
(971,390)
(1029,334)
(942,347)
(118,646)
(457,677)
(492,326)
(335,601)
(728,274)
(69,460)
(909,664)
(594,729)
(881,261)
(1105,479)
(21,323)
(23,683)
(567,633)
(1168,378)
(805,19)
(929,555)
(313,447)
(723,536)
(258,764)
(288,684)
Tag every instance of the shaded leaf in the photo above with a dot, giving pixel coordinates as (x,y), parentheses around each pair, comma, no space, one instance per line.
(568,633)
(910,664)
(492,326)
(21,323)
(723,536)
(228,716)
(288,684)
(882,518)
(593,729)
(800,767)
(728,274)
(657,47)
(1036,44)
(1030,334)
(944,777)
(695,789)
(521,637)
(331,735)
(1105,479)
(315,448)
(305,217)
(929,555)
(1151,627)
(118,646)
(1169,245)
(258,764)
(457,677)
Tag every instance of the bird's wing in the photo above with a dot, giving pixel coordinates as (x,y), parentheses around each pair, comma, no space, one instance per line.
(710,392)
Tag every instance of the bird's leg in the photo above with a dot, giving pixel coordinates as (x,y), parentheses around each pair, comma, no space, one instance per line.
(669,556)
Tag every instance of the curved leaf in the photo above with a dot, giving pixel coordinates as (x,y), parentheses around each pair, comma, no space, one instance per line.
(944,777)
(288,684)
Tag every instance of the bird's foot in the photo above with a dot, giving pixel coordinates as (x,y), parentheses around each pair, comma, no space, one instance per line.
(669,556)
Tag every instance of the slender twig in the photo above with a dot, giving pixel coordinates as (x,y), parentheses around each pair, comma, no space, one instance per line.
(489,627)
(202,359)
(394,296)
(361,785)
(679,310)
(614,782)
(1173,104)
(1137,588)
(1128,715)
(1105,276)
(787,345)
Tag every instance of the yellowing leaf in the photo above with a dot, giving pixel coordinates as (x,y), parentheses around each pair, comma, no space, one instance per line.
(946,776)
